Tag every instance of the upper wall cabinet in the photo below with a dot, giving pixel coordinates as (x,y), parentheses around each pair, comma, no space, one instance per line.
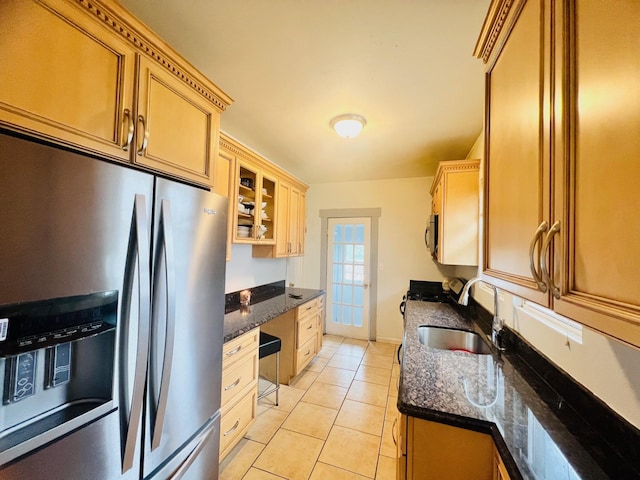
(563,103)
(455,200)
(262,201)
(90,76)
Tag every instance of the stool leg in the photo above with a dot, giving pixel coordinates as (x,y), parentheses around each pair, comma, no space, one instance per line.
(277,376)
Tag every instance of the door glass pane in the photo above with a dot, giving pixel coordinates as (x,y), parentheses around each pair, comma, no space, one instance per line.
(337,233)
(337,293)
(348,274)
(348,254)
(358,274)
(336,313)
(348,233)
(359,233)
(337,273)
(346,315)
(358,296)
(337,254)
(357,316)
(358,253)
(348,294)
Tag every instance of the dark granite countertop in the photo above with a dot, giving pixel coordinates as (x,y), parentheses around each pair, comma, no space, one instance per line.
(487,393)
(247,318)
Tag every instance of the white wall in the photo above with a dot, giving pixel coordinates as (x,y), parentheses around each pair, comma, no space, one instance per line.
(402,254)
(244,271)
(610,369)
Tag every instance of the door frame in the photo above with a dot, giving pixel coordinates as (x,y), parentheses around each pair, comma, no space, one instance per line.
(374,214)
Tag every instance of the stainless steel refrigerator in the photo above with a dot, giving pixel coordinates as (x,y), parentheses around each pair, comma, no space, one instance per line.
(72,225)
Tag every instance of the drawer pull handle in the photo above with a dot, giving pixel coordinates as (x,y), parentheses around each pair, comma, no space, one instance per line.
(233,385)
(308,352)
(309,307)
(234,351)
(232,429)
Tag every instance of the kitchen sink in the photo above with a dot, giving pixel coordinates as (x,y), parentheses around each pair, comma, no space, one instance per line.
(453,339)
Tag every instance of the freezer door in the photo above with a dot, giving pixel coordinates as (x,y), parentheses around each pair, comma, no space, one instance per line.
(187,321)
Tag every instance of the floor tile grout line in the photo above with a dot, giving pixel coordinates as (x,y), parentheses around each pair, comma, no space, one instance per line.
(288,414)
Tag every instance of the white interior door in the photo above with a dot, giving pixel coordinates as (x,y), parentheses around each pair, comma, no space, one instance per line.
(348,266)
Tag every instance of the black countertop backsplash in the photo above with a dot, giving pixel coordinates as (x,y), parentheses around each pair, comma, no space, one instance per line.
(527,404)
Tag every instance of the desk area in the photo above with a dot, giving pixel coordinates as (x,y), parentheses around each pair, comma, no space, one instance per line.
(295,316)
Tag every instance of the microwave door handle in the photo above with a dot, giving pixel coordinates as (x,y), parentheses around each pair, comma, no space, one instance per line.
(137,251)
(165,234)
(426,237)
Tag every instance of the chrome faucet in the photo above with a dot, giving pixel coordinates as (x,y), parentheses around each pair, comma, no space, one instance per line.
(497,324)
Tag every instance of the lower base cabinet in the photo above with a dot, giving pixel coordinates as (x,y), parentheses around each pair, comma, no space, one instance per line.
(431,450)
(239,402)
(298,330)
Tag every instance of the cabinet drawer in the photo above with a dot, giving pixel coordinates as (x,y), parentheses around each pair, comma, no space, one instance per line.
(238,348)
(320,302)
(236,421)
(238,377)
(307,309)
(305,353)
(307,328)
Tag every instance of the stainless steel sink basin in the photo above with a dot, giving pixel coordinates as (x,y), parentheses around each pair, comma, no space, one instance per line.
(444,338)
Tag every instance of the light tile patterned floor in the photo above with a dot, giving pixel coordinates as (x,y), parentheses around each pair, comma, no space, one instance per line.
(334,422)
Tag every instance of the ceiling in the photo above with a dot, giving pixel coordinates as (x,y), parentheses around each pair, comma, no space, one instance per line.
(292,65)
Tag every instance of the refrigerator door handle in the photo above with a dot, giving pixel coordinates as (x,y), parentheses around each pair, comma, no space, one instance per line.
(137,252)
(165,234)
(201,441)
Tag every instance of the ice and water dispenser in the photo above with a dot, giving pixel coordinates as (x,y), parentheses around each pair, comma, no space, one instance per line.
(56,368)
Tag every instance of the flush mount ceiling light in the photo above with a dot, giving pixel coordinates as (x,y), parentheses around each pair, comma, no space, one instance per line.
(348,125)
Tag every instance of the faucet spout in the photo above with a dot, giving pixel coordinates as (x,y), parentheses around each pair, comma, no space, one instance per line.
(497,324)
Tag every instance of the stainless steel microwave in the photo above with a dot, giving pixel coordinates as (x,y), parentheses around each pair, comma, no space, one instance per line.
(431,235)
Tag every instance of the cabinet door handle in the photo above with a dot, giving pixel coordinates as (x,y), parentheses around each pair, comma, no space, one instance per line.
(542,228)
(234,351)
(546,276)
(310,327)
(232,429)
(233,385)
(145,139)
(130,128)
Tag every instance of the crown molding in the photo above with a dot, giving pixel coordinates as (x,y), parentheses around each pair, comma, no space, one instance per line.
(124,24)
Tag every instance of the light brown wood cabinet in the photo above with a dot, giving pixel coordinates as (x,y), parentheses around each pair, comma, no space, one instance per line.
(321,314)
(87,74)
(563,102)
(298,332)
(259,190)
(239,401)
(455,199)
(223,175)
(291,221)
(265,183)
(499,470)
(431,450)
(177,128)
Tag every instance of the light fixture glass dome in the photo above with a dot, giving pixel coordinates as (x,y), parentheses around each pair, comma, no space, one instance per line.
(348,125)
